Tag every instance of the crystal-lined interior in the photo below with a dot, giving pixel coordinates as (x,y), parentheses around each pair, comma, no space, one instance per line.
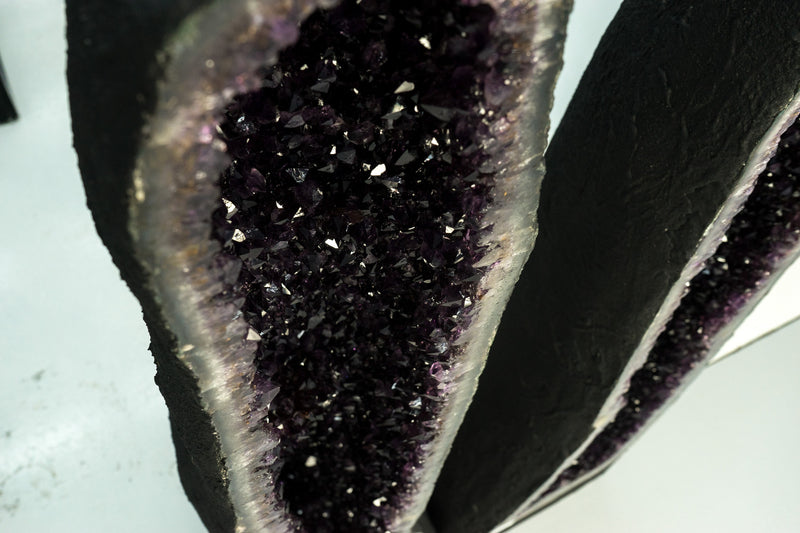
(759,238)
(355,203)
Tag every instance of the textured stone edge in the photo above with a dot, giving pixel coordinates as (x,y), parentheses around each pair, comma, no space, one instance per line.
(646,141)
(112,72)
(708,246)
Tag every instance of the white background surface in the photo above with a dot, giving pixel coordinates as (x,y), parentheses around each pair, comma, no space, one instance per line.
(84,437)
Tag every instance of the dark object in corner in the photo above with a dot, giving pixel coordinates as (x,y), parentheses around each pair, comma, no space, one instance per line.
(150,176)
(7,111)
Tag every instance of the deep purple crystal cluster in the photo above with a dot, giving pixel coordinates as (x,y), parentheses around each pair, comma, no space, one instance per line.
(761,235)
(355,203)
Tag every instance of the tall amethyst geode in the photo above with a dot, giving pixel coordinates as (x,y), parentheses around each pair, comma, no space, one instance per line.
(323,208)
(671,205)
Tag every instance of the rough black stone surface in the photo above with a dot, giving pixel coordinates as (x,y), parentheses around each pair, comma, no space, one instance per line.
(112,73)
(675,99)
(767,228)
(355,201)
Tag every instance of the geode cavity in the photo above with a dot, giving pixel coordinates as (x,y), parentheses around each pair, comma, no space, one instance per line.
(356,204)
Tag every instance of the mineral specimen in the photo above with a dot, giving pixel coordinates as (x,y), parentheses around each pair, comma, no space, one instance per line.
(323,209)
(760,239)
(670,206)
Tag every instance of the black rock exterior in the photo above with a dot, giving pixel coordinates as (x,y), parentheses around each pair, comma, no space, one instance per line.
(322,209)
(669,208)
(761,240)
(7,111)
(122,41)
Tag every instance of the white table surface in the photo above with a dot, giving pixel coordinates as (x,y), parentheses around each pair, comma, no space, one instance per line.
(84,437)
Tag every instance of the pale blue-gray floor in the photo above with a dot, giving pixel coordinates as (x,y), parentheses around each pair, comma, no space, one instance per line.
(84,440)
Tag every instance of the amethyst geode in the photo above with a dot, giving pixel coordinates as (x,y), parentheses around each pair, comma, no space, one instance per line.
(323,208)
(670,206)
(356,204)
(761,238)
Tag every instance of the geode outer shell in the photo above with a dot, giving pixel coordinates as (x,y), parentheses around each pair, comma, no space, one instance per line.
(156,92)
(674,119)
(108,118)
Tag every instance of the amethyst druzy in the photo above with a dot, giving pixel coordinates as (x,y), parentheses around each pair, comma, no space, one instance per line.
(7,111)
(356,204)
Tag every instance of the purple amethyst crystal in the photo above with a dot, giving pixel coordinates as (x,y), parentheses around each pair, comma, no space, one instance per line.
(326,212)
(356,204)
